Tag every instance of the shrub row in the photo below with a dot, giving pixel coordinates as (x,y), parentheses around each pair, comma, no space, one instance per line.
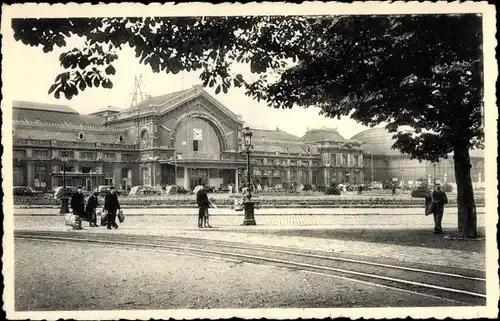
(290,201)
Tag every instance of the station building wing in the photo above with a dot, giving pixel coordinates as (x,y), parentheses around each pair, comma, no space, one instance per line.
(182,137)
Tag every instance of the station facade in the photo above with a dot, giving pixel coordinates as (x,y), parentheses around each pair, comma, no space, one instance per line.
(181,137)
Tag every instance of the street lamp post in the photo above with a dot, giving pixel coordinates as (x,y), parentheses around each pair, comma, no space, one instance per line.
(434,165)
(64,198)
(248,203)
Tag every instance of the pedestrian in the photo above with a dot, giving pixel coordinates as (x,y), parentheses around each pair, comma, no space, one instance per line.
(92,204)
(78,206)
(111,205)
(393,189)
(203,205)
(439,200)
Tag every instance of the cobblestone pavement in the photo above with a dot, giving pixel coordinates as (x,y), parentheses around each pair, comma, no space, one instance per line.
(264,221)
(228,229)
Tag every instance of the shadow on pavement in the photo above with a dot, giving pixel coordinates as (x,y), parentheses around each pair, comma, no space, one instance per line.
(413,237)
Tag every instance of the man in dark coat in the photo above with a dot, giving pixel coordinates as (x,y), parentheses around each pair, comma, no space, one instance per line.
(439,200)
(92,204)
(78,206)
(111,205)
(203,205)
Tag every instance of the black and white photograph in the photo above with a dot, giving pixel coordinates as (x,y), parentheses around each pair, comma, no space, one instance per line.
(260,160)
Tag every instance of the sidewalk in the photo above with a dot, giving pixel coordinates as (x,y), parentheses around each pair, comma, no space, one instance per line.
(262,211)
(272,230)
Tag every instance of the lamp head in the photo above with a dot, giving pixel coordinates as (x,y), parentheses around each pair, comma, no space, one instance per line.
(247,137)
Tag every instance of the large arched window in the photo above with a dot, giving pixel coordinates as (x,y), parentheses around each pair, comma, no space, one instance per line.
(145,142)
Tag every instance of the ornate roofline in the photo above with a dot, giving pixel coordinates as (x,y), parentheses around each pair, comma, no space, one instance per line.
(172,103)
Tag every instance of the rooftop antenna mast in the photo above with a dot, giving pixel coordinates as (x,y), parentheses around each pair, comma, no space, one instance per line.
(138,96)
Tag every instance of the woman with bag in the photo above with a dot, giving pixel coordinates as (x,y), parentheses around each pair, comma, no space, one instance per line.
(78,206)
(92,204)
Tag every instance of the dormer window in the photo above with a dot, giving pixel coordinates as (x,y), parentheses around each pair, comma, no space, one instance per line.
(81,136)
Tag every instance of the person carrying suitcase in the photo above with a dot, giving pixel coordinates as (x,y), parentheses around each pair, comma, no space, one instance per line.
(111,205)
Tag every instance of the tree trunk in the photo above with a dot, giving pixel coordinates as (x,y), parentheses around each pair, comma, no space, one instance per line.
(467,219)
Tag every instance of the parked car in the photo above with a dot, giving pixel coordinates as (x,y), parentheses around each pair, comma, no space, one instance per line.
(26,191)
(420,191)
(224,189)
(143,190)
(174,189)
(61,192)
(103,190)
(209,189)
(332,190)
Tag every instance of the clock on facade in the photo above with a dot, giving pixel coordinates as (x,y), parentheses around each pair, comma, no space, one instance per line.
(197,134)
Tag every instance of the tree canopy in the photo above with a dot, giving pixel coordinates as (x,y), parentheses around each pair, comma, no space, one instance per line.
(422,71)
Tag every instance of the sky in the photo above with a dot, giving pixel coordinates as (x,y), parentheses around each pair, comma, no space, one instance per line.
(35,72)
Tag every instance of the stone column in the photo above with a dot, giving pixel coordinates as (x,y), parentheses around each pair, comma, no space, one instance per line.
(325,176)
(117,176)
(309,174)
(236,181)
(53,181)
(31,175)
(186,178)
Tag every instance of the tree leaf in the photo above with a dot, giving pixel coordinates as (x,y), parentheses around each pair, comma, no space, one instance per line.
(110,70)
(53,87)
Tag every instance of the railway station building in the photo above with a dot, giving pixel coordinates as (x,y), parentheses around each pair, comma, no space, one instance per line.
(181,137)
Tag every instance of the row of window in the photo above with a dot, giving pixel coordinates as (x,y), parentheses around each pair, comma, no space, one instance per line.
(44,154)
(347,160)
(284,162)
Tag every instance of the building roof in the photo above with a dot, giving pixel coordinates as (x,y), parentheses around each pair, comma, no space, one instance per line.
(158,100)
(43,107)
(108,108)
(322,134)
(55,117)
(273,135)
(379,141)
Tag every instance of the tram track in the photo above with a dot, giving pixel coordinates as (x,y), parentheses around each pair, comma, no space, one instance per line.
(453,287)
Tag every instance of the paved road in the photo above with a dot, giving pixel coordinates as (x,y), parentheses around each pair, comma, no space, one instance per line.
(229,229)
(129,279)
(282,221)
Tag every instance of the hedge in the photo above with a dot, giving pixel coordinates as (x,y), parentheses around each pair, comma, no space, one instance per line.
(263,201)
